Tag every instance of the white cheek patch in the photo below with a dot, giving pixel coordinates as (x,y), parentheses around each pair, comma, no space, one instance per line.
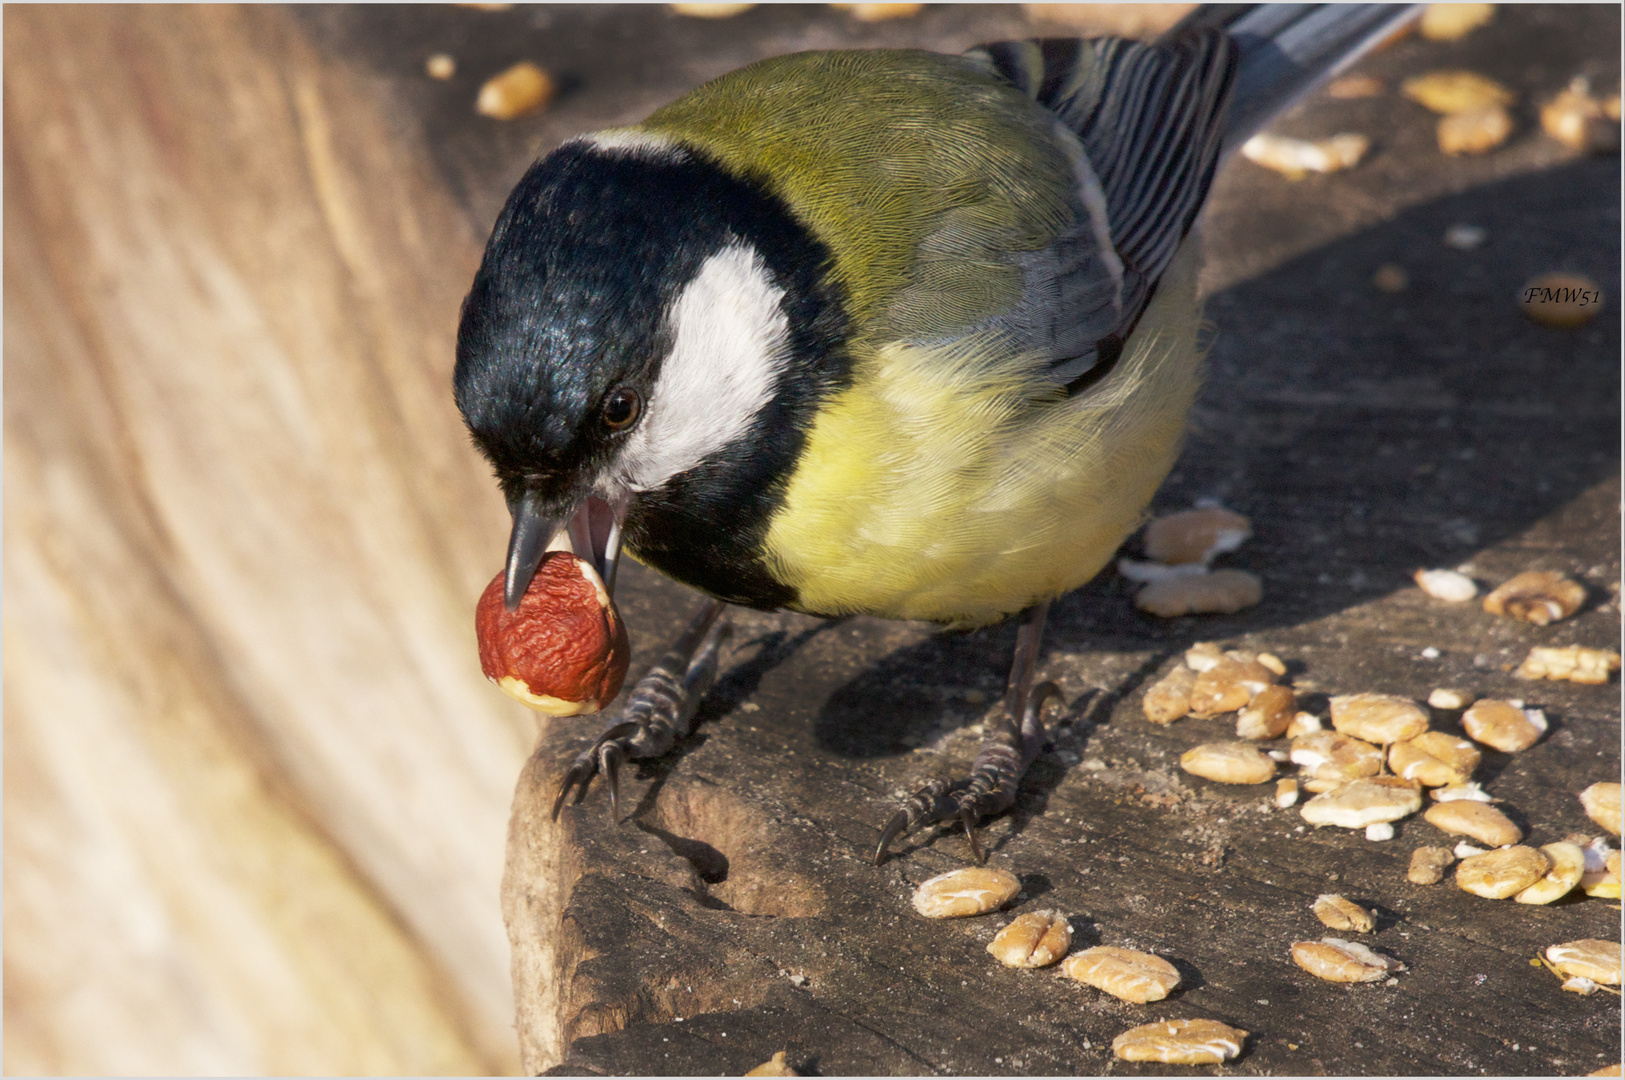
(730,344)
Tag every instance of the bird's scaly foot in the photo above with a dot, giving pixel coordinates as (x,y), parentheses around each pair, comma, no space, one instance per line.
(1002,760)
(659,711)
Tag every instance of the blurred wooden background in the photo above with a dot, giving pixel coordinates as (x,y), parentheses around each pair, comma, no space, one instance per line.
(255,786)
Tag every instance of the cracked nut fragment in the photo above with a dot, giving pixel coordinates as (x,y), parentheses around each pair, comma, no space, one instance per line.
(1195,536)
(1568,866)
(1227,686)
(774,1066)
(1601,802)
(1170,698)
(1286,793)
(1580,121)
(1588,958)
(1296,158)
(1359,803)
(1228,763)
(975,890)
(1180,1042)
(1428,865)
(1572,663)
(1477,820)
(1336,960)
(1446,698)
(1034,940)
(1434,758)
(1536,596)
(1267,715)
(1334,758)
(1499,725)
(1449,585)
(1341,913)
(1126,974)
(1447,22)
(1503,872)
(1378,718)
(1222,592)
(1449,92)
(1474,131)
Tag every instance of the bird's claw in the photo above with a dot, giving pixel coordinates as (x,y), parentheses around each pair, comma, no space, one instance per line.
(659,711)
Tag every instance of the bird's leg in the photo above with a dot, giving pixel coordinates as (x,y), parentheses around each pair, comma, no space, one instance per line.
(1016,739)
(659,710)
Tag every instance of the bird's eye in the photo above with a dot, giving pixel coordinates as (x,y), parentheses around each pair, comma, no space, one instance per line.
(621,408)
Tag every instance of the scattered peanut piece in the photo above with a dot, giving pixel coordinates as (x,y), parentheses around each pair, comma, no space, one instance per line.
(1359,803)
(1449,585)
(1428,865)
(1336,960)
(1271,662)
(774,1066)
(1303,723)
(1464,850)
(1228,763)
(516,92)
(1602,805)
(879,12)
(1474,131)
(1483,823)
(1443,698)
(1448,22)
(1180,1042)
(1470,790)
(1227,686)
(1434,758)
(1498,725)
(1579,121)
(1222,592)
(1503,872)
(1268,714)
(1536,596)
(1341,913)
(1204,655)
(1353,87)
(1296,158)
(1195,536)
(1568,866)
(1286,793)
(1034,940)
(1169,699)
(711,11)
(440,66)
(1378,718)
(1334,757)
(974,890)
(1601,875)
(1126,974)
(1447,92)
(1569,664)
(1589,958)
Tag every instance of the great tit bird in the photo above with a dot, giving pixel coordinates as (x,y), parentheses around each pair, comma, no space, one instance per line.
(883,332)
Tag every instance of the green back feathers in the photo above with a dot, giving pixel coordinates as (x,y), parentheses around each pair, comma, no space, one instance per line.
(920,172)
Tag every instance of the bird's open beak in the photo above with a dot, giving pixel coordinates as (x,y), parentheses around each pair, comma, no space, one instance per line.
(592,531)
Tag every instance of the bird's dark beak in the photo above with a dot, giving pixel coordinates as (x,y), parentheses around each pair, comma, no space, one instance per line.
(594,534)
(532,532)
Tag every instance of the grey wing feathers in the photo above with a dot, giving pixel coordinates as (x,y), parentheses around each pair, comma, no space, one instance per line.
(1150,121)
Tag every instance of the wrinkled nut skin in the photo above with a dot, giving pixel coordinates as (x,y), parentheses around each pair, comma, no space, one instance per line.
(1125,974)
(565,651)
(1228,763)
(1268,714)
(1341,913)
(1227,686)
(1034,940)
(1536,596)
(975,890)
(1496,875)
(1588,958)
(1602,805)
(1498,725)
(1568,866)
(1479,821)
(1378,718)
(1180,1042)
(1428,865)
